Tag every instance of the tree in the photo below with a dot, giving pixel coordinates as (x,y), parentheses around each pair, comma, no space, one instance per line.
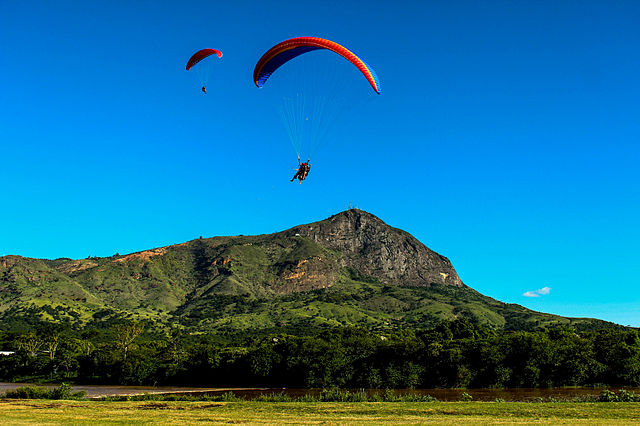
(51,334)
(126,333)
(29,342)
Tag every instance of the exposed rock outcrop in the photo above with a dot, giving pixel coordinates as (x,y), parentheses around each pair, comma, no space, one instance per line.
(376,249)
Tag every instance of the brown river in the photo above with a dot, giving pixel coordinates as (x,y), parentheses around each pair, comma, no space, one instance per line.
(523,394)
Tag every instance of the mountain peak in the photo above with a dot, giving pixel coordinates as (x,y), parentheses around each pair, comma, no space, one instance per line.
(379,250)
(356,216)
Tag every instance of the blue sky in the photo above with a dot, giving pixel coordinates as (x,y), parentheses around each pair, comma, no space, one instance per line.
(506,137)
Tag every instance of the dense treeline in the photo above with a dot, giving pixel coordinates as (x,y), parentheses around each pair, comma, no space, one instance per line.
(453,354)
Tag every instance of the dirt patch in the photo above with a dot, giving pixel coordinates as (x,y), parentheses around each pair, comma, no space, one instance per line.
(142,255)
(147,254)
(52,405)
(204,407)
(155,406)
(76,265)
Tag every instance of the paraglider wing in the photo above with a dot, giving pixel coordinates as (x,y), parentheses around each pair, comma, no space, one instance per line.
(200,55)
(289,49)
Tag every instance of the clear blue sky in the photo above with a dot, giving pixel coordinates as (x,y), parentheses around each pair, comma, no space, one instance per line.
(506,137)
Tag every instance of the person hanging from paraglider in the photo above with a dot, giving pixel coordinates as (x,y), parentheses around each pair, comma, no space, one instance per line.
(308,113)
(199,56)
(302,171)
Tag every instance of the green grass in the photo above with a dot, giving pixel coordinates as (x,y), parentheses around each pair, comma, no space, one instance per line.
(148,412)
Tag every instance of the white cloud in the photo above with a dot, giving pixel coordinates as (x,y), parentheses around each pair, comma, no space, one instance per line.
(537,293)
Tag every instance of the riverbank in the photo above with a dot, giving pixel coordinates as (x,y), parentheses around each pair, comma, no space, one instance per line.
(85,412)
(506,394)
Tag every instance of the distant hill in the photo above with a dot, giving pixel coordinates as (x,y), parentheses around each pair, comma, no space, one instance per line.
(350,269)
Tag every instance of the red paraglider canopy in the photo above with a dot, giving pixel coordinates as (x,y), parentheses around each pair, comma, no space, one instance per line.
(294,47)
(200,55)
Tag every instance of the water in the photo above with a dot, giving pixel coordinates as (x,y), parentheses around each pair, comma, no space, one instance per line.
(524,394)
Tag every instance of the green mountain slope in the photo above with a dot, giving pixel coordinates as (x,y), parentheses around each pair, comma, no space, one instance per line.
(350,269)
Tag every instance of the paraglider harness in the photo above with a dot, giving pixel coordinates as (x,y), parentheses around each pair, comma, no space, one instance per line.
(302,171)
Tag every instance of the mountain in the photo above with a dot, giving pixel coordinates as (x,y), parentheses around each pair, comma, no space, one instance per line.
(350,269)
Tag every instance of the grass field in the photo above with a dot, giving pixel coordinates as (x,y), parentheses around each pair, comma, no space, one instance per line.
(146,412)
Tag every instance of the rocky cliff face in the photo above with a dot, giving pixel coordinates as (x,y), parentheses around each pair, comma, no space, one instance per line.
(374,248)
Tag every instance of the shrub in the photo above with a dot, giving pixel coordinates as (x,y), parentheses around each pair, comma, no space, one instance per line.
(335,395)
(607,396)
(626,396)
(229,397)
(28,392)
(64,391)
(275,397)
(622,396)
(466,397)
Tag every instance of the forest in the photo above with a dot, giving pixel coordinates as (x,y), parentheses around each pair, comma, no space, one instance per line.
(458,353)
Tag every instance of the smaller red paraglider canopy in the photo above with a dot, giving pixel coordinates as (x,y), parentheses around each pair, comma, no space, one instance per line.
(200,55)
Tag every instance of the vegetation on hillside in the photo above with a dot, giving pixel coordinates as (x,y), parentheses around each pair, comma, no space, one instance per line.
(232,305)
(349,270)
